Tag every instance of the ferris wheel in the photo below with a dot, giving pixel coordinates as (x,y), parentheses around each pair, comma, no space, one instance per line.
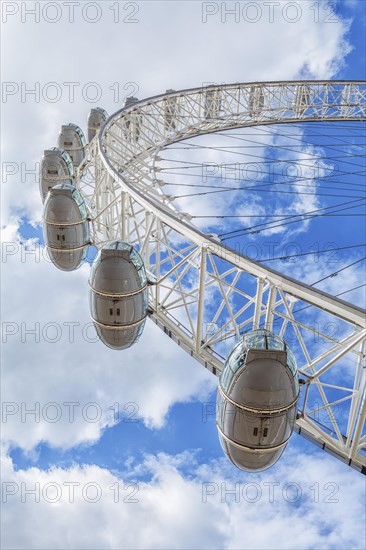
(228,311)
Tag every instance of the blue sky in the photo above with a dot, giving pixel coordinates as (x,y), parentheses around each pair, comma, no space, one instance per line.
(170,450)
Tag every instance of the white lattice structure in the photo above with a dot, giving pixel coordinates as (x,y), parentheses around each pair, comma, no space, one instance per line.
(190,271)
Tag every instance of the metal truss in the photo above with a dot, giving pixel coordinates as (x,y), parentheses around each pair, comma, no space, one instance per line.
(203,294)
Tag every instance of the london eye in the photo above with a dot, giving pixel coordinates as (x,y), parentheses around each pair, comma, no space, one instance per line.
(135,192)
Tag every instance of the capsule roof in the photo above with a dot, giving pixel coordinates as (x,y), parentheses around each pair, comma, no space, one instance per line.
(267,349)
(264,339)
(100,111)
(111,255)
(66,190)
(130,101)
(76,129)
(53,150)
(62,154)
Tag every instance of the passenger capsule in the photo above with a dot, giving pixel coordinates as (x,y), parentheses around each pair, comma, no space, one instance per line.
(66,227)
(257,401)
(96,119)
(256,100)
(56,168)
(118,295)
(72,140)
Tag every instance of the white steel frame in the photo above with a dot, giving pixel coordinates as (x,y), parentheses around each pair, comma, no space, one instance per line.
(120,181)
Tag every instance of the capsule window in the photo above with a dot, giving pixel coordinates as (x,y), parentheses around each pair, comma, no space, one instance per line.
(68,142)
(118,311)
(265,432)
(255,431)
(58,237)
(63,237)
(110,311)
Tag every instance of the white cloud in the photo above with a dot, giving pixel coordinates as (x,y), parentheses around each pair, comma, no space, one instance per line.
(143,59)
(187,510)
(154,374)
